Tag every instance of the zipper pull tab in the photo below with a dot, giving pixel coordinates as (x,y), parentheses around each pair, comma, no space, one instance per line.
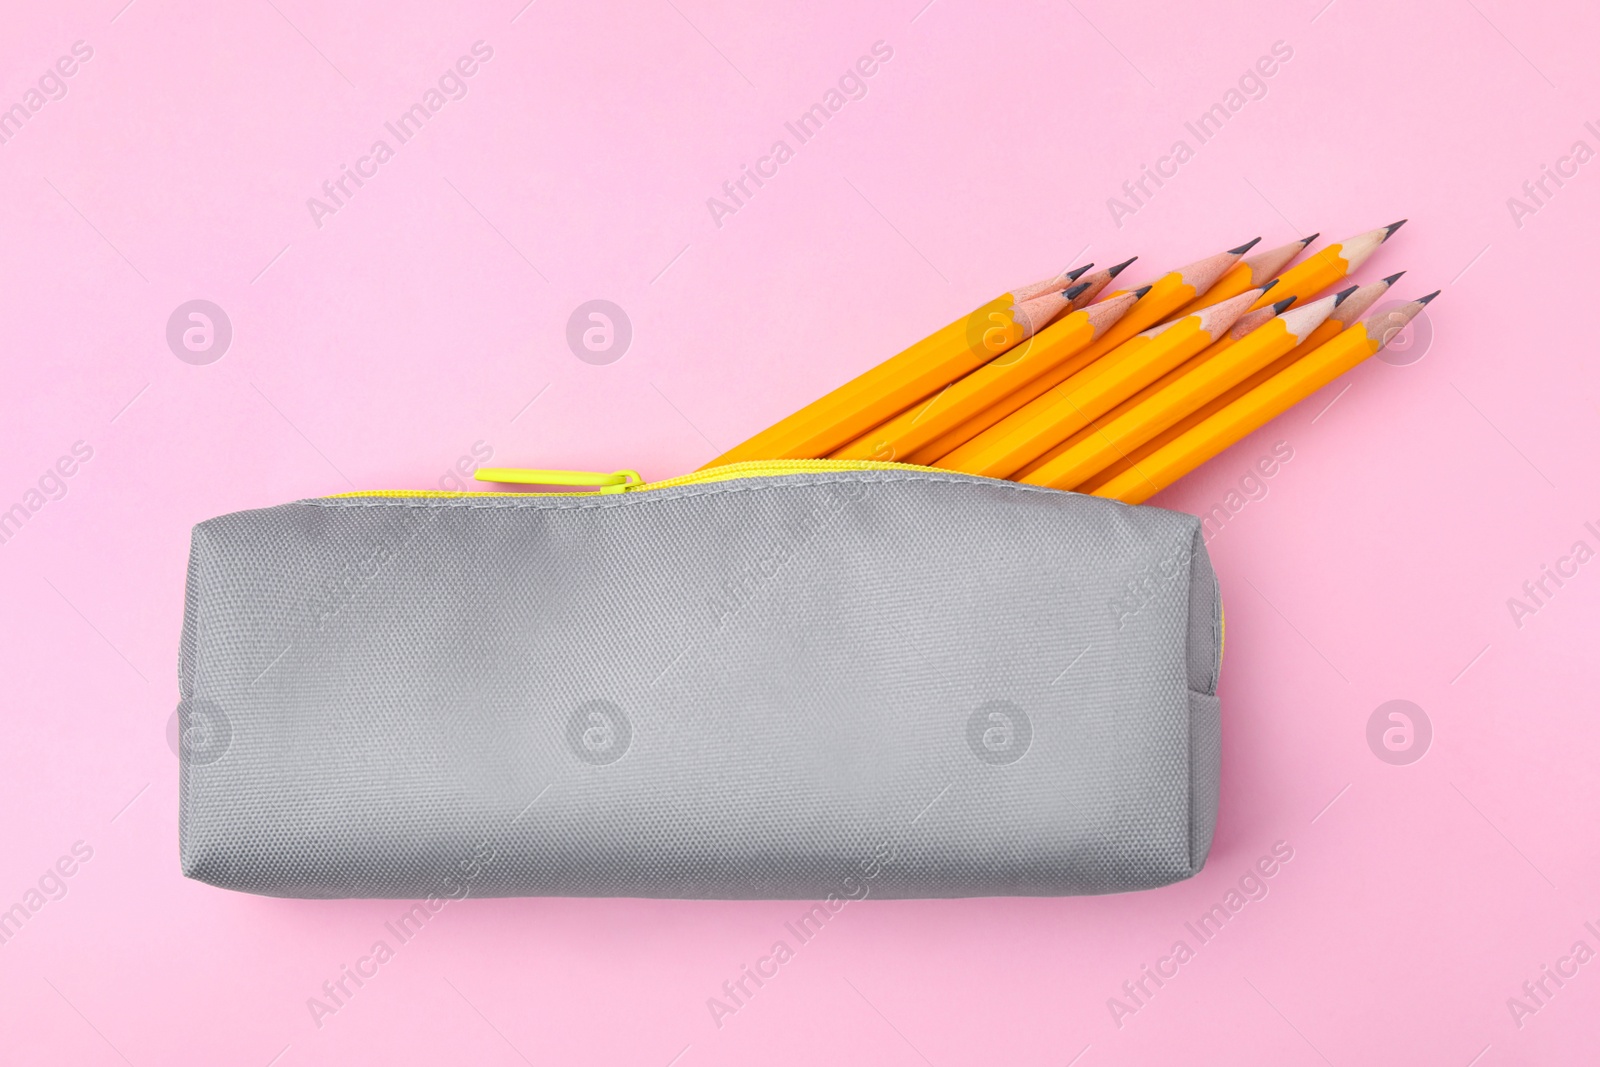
(615,482)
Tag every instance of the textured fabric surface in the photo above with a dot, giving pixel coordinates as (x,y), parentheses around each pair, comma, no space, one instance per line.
(881,683)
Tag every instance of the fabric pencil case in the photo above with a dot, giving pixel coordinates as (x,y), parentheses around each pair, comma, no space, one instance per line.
(769,680)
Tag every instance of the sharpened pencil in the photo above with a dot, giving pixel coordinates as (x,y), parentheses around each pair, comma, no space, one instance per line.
(1053,346)
(1332,264)
(1156,301)
(1065,280)
(1354,305)
(895,384)
(1252,272)
(1098,281)
(1056,415)
(1259,406)
(1178,394)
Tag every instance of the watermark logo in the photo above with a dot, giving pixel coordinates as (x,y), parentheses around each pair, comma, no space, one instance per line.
(451,85)
(1399,732)
(994,335)
(50,887)
(999,732)
(746,584)
(1251,487)
(1252,887)
(336,993)
(1138,592)
(52,485)
(458,479)
(737,192)
(199,332)
(199,731)
(1411,342)
(50,87)
(1538,992)
(599,732)
(599,332)
(737,992)
(1537,592)
(1251,85)
(1538,192)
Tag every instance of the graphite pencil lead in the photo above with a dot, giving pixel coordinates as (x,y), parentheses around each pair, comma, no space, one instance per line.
(1393,226)
(1076,291)
(1074,275)
(1342,294)
(1281,306)
(1269,285)
(1141,292)
(1247,246)
(1307,240)
(1391,279)
(1430,296)
(1120,267)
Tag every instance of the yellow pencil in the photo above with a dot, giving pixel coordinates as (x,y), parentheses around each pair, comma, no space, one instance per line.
(1259,406)
(1098,281)
(1331,264)
(1156,301)
(1054,345)
(902,380)
(1355,304)
(1179,393)
(1056,283)
(1252,272)
(1056,415)
(1244,325)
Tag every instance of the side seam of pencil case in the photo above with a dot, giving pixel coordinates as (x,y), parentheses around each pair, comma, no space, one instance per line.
(881,682)
(1205,707)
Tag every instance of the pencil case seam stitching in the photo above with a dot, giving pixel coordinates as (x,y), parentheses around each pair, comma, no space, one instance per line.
(789,482)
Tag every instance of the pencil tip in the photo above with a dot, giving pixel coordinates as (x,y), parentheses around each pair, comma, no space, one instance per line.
(1307,240)
(1076,291)
(1281,306)
(1391,279)
(1393,226)
(1120,267)
(1343,294)
(1247,246)
(1430,296)
(1074,275)
(1269,285)
(1140,292)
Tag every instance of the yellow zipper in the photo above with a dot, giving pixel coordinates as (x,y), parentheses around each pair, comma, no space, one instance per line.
(597,483)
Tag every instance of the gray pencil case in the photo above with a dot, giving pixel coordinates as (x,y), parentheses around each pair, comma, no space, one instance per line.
(776,680)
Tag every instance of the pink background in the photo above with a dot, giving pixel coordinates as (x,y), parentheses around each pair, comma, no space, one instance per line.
(424,316)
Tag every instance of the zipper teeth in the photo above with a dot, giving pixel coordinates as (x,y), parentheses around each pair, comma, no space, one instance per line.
(748,469)
(760,468)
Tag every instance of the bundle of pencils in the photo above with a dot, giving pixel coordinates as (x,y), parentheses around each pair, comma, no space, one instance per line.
(1118,395)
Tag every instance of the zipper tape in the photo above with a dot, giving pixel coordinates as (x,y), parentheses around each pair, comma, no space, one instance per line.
(593,483)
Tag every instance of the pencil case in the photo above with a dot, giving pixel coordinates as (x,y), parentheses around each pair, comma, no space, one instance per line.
(801,679)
